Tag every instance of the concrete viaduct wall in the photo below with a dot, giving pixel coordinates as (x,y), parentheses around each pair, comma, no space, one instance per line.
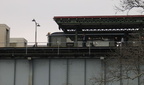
(54,72)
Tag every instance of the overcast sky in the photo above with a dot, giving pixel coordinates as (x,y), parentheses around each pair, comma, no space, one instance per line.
(18,14)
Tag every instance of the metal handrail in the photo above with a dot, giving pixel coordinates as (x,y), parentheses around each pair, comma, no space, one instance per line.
(98,43)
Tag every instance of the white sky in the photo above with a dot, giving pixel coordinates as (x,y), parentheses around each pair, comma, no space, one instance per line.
(18,14)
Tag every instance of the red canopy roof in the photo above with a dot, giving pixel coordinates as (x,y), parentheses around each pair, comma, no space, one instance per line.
(110,16)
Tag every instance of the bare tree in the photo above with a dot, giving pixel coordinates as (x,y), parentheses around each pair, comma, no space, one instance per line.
(125,64)
(127,5)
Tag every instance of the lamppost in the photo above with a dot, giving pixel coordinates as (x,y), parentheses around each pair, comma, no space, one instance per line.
(36,25)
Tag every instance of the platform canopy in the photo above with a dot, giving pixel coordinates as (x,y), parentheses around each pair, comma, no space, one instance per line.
(92,24)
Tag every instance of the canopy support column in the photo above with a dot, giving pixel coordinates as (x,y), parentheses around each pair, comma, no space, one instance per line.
(76,39)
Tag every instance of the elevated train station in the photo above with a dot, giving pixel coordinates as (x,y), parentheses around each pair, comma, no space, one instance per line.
(78,55)
(83,36)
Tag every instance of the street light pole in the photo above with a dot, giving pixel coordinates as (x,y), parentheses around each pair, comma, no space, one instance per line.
(36,25)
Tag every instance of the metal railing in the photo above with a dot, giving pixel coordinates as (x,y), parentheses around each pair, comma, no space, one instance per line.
(73,44)
(65,49)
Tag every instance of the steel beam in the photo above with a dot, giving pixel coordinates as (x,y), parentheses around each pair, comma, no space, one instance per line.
(30,81)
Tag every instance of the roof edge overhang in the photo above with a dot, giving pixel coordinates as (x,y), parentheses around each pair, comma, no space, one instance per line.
(94,23)
(107,16)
